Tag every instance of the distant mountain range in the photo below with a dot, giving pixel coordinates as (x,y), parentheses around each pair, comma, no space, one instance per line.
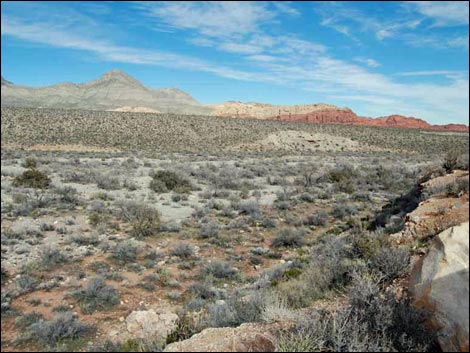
(117,91)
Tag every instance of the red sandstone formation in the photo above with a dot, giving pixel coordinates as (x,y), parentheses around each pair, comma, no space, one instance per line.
(349,117)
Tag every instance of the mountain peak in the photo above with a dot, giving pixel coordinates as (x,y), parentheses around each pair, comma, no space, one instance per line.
(118,75)
(5,82)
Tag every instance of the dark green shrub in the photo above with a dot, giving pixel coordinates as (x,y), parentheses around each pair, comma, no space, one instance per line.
(32,178)
(165,180)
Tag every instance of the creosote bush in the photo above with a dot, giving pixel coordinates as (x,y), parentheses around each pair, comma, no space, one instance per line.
(32,178)
(166,180)
(144,219)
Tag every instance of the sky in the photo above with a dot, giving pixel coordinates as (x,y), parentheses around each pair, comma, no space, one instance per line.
(377,58)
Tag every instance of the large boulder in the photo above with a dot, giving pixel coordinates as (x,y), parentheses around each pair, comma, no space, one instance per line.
(154,323)
(439,283)
(245,338)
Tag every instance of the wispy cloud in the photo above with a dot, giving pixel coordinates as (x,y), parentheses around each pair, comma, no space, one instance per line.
(437,41)
(217,19)
(434,73)
(368,61)
(443,13)
(342,17)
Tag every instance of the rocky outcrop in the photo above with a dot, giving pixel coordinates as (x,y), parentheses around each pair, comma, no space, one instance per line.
(134,110)
(324,116)
(439,283)
(267,111)
(154,323)
(438,212)
(245,338)
(321,114)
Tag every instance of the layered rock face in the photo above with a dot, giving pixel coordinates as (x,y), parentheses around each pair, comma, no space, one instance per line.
(329,116)
(439,282)
(267,111)
(322,114)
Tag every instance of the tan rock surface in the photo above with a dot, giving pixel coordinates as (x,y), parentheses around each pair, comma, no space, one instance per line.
(440,283)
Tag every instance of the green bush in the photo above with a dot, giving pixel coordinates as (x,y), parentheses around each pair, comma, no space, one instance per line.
(165,180)
(32,178)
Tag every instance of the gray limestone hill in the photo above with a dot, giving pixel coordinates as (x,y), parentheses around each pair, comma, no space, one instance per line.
(115,90)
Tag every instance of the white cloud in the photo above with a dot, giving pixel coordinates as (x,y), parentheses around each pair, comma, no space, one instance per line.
(433,73)
(286,7)
(437,41)
(218,18)
(443,13)
(368,61)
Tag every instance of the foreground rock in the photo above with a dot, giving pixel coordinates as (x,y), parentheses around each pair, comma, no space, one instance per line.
(438,212)
(245,338)
(439,283)
(154,323)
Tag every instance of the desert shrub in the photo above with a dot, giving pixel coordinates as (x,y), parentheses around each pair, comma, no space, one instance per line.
(108,182)
(267,222)
(158,186)
(47,227)
(4,275)
(26,320)
(30,162)
(343,178)
(307,197)
(373,322)
(26,283)
(96,296)
(391,262)
(144,219)
(250,208)
(183,250)
(235,311)
(403,324)
(125,252)
(457,187)
(172,226)
(289,237)
(317,219)
(63,326)
(51,256)
(220,269)
(204,290)
(275,308)
(165,180)
(85,239)
(342,211)
(210,230)
(451,160)
(67,194)
(32,178)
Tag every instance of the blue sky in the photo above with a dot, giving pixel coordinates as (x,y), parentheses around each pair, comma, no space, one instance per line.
(378,58)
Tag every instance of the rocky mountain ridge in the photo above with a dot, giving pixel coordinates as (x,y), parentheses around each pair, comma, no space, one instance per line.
(113,90)
(117,91)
